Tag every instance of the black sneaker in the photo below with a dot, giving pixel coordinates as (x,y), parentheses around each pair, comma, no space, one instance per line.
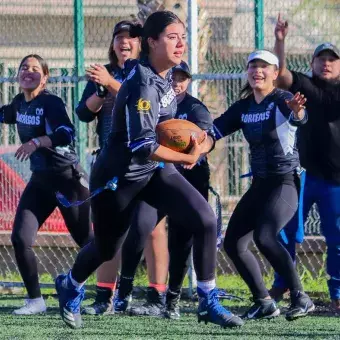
(102,305)
(301,305)
(172,305)
(154,306)
(262,309)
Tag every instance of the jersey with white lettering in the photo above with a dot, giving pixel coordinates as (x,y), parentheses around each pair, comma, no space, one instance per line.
(104,115)
(144,100)
(44,115)
(270,129)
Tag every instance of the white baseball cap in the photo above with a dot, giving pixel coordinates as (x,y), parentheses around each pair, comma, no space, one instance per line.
(264,55)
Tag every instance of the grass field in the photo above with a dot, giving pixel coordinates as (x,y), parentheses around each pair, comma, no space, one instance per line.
(321,325)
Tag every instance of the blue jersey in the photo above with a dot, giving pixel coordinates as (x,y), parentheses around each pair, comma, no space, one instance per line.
(44,115)
(104,115)
(270,129)
(144,100)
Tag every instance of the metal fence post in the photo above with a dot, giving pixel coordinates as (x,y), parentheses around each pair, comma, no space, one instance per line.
(79,71)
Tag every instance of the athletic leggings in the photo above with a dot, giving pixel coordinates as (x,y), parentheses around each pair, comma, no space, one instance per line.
(36,204)
(262,212)
(167,191)
(180,237)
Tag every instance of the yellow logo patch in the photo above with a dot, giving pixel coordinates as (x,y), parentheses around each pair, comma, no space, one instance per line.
(143,105)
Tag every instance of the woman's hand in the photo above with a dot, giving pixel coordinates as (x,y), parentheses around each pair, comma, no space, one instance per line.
(197,151)
(281,29)
(25,151)
(296,104)
(99,74)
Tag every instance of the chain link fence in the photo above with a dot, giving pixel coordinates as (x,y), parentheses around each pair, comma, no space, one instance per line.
(228,31)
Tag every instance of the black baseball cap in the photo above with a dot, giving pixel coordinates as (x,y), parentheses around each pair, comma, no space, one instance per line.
(183,67)
(327,47)
(135,30)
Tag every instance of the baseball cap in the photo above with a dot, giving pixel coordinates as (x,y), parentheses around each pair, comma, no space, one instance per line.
(135,30)
(264,55)
(326,47)
(183,67)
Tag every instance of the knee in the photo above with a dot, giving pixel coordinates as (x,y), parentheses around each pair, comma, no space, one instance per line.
(207,221)
(159,233)
(264,241)
(19,242)
(106,250)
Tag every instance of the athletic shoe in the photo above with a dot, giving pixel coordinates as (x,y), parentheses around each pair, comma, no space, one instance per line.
(154,305)
(32,306)
(121,304)
(172,305)
(262,309)
(70,299)
(99,308)
(103,304)
(210,310)
(277,293)
(301,305)
(123,295)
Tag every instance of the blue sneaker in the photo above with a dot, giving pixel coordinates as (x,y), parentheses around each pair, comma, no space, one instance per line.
(120,304)
(70,299)
(123,295)
(210,310)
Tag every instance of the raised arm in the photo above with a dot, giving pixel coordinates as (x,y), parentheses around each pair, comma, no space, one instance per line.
(285,79)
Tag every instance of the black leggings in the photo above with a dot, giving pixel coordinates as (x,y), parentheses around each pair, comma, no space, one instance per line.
(37,203)
(180,237)
(167,191)
(262,212)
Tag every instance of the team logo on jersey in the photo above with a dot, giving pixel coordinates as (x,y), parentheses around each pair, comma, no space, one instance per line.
(28,120)
(270,106)
(143,105)
(39,112)
(183,116)
(168,98)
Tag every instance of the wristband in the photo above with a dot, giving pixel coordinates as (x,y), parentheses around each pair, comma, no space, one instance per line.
(36,142)
(101,91)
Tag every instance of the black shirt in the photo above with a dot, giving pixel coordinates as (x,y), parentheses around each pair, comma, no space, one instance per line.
(44,115)
(144,100)
(104,115)
(269,128)
(319,139)
(195,111)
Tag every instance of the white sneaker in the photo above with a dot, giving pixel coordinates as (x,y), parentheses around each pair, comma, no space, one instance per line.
(32,306)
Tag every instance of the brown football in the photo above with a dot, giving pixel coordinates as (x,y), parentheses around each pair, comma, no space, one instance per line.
(175,134)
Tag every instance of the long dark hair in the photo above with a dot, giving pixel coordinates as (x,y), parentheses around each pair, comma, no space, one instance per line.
(246,91)
(42,63)
(136,31)
(154,25)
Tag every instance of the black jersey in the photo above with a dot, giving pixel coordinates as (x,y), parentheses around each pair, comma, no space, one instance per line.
(144,100)
(195,111)
(105,113)
(269,128)
(44,115)
(319,139)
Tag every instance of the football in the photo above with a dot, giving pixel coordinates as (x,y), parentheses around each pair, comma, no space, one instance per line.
(175,134)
